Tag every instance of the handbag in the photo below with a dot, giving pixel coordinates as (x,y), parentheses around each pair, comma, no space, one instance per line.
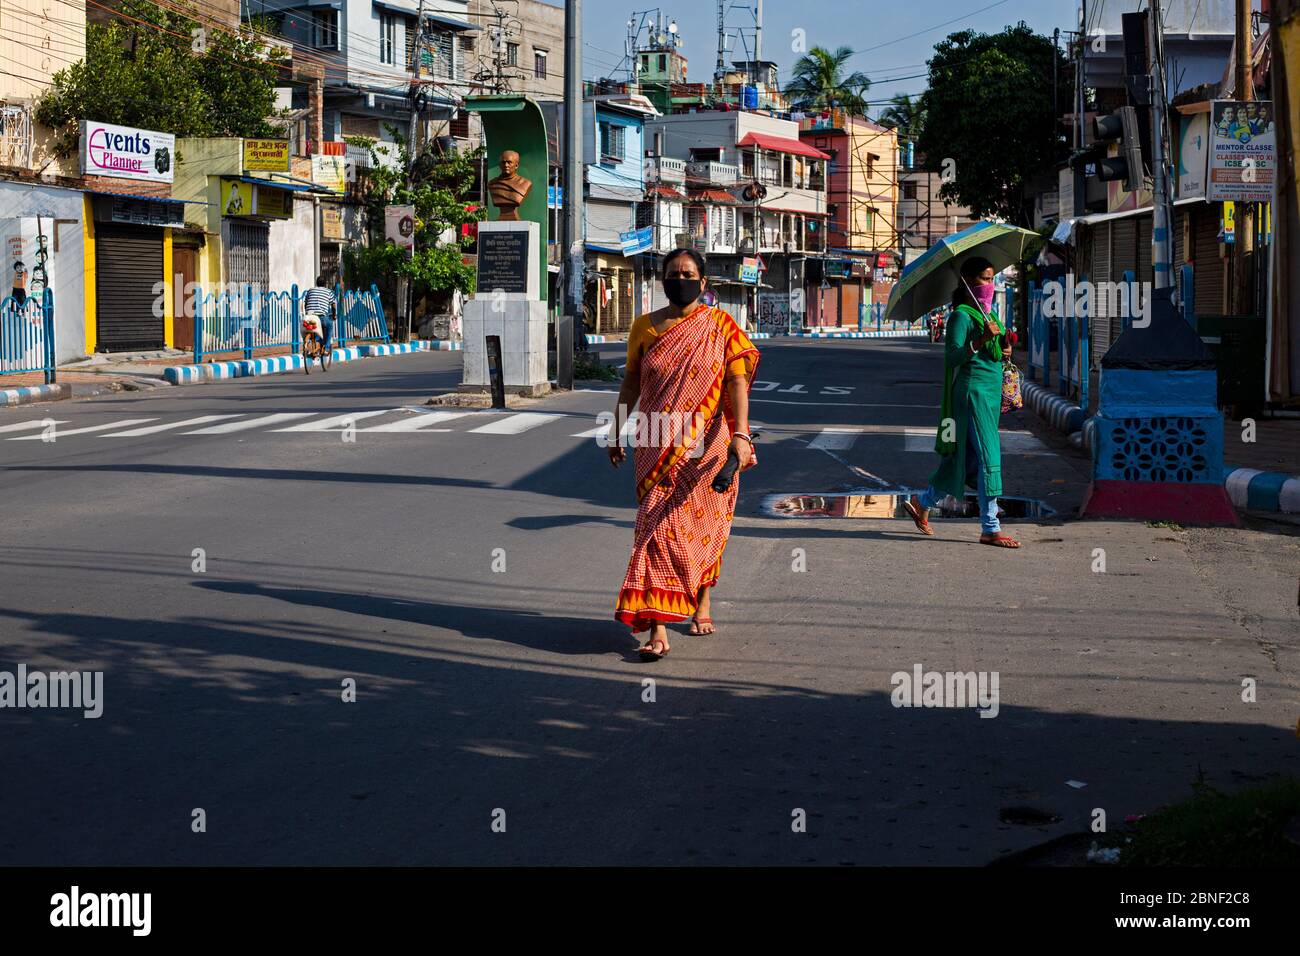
(1011,396)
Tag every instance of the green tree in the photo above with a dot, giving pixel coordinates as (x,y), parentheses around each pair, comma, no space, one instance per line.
(905,114)
(160,74)
(439,186)
(819,81)
(989,112)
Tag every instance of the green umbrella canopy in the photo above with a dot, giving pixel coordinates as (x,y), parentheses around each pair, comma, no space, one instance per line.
(928,283)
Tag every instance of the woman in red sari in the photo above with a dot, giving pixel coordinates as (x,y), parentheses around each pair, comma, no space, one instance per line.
(691,366)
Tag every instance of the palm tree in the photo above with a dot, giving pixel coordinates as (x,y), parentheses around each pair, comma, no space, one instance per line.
(904,114)
(818,81)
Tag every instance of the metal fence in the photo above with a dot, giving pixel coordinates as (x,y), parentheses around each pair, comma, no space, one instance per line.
(246,320)
(361,316)
(27,335)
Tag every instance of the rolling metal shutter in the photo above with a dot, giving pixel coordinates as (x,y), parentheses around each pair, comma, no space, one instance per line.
(1208,278)
(1124,259)
(1101,272)
(1145,272)
(128,264)
(247,247)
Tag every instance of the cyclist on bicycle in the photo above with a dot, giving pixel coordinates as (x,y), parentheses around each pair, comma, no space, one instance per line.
(321,303)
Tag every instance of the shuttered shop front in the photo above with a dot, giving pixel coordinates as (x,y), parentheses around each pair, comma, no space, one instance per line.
(248,252)
(128,267)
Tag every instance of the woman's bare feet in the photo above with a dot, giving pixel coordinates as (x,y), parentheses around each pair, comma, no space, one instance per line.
(702,622)
(657,646)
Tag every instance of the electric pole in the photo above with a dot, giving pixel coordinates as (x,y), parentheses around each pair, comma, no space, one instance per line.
(1242,289)
(1162,219)
(574,207)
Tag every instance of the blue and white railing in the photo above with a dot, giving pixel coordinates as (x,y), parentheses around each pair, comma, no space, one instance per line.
(246,320)
(27,335)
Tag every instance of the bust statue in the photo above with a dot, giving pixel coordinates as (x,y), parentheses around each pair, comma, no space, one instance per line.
(509,189)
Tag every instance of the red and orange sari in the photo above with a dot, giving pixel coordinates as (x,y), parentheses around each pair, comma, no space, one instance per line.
(682,524)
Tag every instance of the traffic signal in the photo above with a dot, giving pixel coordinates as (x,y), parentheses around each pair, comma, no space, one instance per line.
(1128,166)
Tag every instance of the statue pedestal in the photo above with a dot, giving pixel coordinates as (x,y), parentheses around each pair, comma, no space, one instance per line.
(507,302)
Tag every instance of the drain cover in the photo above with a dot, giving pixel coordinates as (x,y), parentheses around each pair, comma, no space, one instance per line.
(889,504)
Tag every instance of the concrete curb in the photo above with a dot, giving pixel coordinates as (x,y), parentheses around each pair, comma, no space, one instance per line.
(883,334)
(217,371)
(1060,413)
(1263,490)
(27,394)
(405,348)
(440,345)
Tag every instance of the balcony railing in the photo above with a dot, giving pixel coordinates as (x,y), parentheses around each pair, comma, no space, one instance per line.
(720,174)
(665,169)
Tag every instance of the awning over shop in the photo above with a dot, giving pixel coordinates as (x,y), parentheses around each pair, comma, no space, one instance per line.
(1066,228)
(179,202)
(271,183)
(780,144)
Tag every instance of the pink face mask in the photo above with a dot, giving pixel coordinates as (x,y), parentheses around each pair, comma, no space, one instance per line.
(984,295)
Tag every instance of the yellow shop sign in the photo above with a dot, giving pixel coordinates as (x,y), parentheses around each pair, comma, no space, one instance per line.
(266,155)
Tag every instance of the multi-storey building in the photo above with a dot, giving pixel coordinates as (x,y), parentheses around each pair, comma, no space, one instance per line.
(619,276)
(518,48)
(367,51)
(862,230)
(755,201)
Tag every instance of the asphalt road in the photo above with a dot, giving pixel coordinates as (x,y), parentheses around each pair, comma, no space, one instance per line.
(462,571)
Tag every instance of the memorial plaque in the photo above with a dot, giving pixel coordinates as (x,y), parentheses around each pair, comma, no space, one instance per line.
(502,262)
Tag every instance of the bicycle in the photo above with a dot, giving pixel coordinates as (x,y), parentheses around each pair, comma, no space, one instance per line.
(313,345)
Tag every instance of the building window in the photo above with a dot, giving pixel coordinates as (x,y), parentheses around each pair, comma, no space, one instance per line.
(663,64)
(325,29)
(387,38)
(909,189)
(612,142)
(539,64)
(512,54)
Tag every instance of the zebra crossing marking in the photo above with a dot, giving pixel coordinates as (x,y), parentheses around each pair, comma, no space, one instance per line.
(242,426)
(417,422)
(83,431)
(166,426)
(515,424)
(35,423)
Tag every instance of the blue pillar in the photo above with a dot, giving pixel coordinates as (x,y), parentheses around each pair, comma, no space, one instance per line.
(295,317)
(47,322)
(248,321)
(1158,440)
(198,326)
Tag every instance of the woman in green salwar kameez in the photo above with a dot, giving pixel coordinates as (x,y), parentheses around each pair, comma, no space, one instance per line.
(974,349)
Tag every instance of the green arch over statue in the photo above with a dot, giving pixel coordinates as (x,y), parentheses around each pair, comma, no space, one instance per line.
(515,124)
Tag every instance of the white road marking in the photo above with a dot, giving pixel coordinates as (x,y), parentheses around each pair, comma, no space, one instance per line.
(334,422)
(417,422)
(245,425)
(82,431)
(515,424)
(835,439)
(25,426)
(1013,443)
(154,429)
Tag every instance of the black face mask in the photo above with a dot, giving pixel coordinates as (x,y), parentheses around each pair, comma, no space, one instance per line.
(682,292)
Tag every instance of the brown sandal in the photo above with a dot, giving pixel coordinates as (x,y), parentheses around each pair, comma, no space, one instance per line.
(919,518)
(999,541)
(648,654)
(699,623)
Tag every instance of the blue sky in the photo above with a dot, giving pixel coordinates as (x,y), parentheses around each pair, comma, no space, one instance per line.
(881,31)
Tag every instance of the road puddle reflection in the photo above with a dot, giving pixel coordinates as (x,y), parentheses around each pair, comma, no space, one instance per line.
(889,504)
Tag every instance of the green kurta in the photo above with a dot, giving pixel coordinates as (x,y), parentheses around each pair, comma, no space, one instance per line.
(972,397)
